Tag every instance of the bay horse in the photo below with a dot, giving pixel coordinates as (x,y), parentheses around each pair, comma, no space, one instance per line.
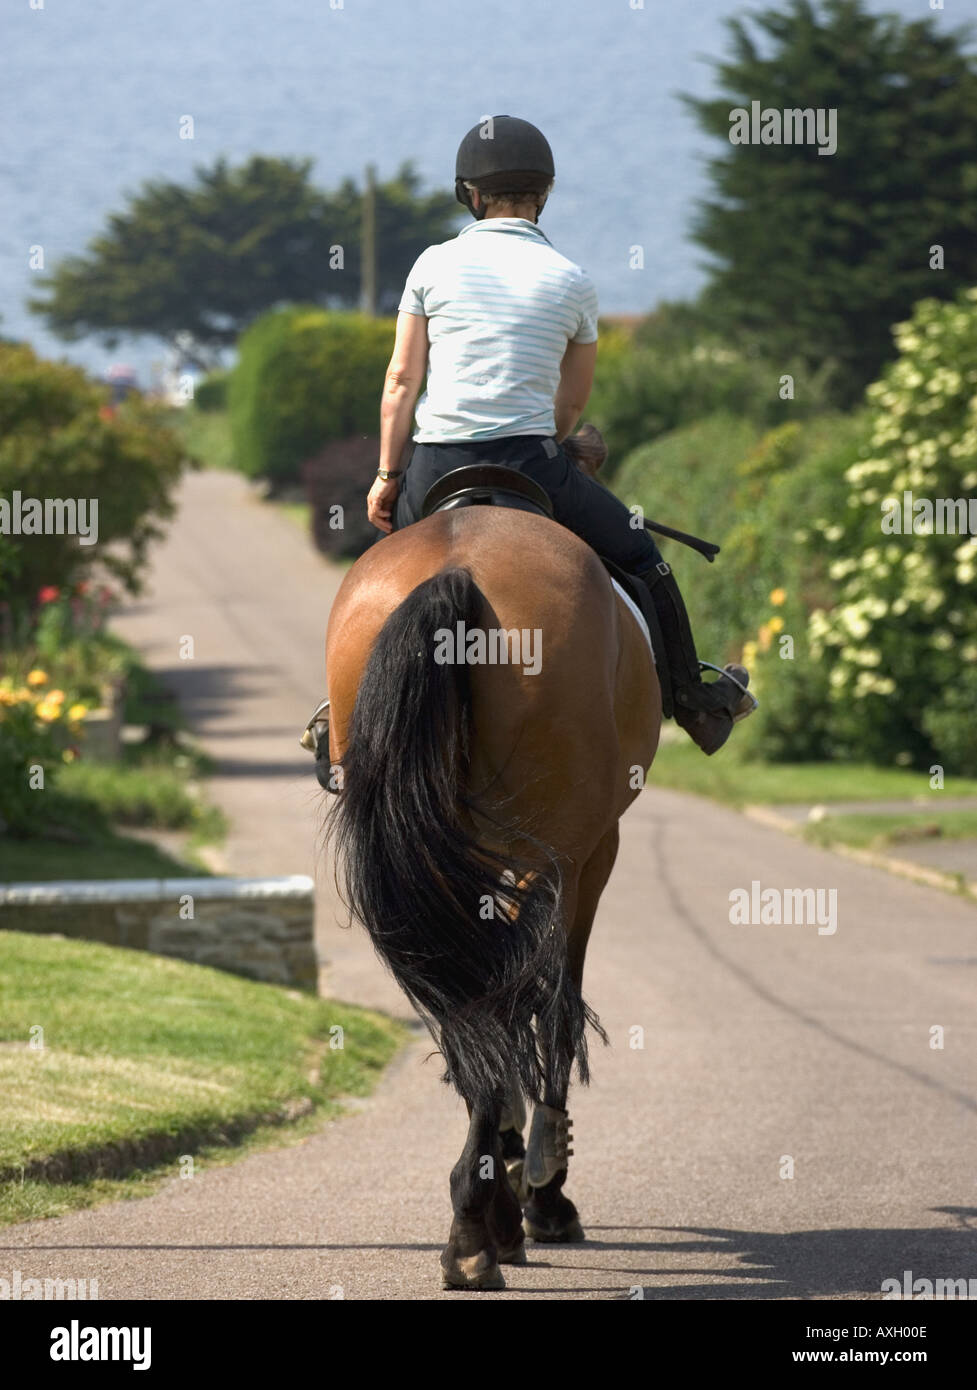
(477,826)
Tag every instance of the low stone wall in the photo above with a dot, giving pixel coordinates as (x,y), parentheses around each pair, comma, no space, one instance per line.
(263,928)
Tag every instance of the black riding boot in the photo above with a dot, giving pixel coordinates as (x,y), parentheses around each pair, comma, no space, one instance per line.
(706,712)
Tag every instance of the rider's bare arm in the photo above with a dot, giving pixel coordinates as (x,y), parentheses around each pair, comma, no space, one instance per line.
(576,379)
(404,379)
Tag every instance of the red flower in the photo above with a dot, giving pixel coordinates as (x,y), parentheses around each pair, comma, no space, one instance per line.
(106,412)
(48,594)
(83,587)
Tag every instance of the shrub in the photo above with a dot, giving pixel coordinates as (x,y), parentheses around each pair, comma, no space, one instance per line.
(305,377)
(755,497)
(38,725)
(775,579)
(645,390)
(688,480)
(60,439)
(901,637)
(211,393)
(337,481)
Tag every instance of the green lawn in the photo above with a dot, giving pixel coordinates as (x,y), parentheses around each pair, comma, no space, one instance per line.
(727,777)
(864,831)
(147,1059)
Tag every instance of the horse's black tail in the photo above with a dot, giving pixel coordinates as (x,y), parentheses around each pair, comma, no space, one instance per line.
(472,934)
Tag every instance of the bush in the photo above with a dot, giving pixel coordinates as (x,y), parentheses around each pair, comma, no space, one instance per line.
(688,480)
(38,726)
(211,393)
(649,388)
(305,377)
(755,497)
(60,439)
(796,472)
(337,481)
(901,638)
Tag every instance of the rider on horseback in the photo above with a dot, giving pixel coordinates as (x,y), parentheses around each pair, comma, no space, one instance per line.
(504,328)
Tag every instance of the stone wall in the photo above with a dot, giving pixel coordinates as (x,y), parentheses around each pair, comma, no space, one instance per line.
(262,928)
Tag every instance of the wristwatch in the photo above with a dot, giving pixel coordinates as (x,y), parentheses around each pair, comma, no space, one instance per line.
(387,473)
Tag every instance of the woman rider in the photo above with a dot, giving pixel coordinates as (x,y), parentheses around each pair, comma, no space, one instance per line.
(504,329)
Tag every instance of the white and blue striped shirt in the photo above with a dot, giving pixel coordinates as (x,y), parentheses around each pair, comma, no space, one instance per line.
(501,306)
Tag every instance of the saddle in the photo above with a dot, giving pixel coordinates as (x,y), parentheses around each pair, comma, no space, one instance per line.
(486,485)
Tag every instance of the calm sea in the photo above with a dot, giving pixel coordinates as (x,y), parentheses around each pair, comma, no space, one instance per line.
(92,93)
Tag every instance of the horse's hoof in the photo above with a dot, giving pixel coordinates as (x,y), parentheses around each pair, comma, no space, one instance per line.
(553,1234)
(471,1272)
(516,1254)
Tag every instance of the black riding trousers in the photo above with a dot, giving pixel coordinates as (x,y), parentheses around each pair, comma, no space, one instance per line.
(580,503)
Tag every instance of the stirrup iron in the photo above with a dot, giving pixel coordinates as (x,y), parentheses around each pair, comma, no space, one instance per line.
(721,671)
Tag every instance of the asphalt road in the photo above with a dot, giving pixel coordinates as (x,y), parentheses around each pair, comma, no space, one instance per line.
(765,1050)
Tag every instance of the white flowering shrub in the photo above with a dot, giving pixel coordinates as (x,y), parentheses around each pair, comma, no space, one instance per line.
(899,640)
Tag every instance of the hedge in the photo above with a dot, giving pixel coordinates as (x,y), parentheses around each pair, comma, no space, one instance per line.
(305,377)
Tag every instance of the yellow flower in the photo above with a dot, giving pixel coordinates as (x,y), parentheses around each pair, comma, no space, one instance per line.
(777,597)
(55,696)
(77,712)
(37,676)
(47,712)
(775,624)
(764,636)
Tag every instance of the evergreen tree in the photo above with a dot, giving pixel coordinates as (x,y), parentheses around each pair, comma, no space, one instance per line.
(201,262)
(821,254)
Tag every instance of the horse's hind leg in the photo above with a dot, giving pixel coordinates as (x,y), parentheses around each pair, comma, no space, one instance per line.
(550,1215)
(486,1230)
(511,1127)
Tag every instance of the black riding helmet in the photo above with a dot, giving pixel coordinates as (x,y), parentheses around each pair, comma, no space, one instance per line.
(503,154)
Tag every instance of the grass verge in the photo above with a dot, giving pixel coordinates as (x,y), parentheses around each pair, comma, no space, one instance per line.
(867,831)
(730,778)
(147,1059)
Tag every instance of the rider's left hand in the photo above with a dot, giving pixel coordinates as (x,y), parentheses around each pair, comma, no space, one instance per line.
(380,503)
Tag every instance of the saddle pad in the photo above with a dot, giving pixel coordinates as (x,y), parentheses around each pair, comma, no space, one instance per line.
(638,615)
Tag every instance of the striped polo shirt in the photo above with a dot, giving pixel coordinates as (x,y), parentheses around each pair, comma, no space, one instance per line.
(501,306)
